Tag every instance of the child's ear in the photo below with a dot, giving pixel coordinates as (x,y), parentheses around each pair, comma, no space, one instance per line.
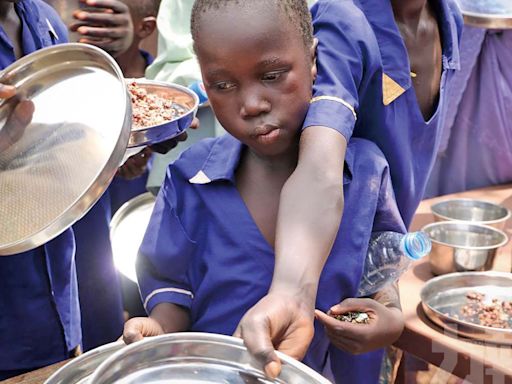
(313,59)
(146,27)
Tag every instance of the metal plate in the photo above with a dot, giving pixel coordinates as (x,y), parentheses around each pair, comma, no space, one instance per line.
(127,230)
(487,13)
(53,170)
(80,369)
(195,358)
(182,98)
(443,297)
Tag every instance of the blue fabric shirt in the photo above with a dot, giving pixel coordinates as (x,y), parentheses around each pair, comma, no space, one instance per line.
(202,249)
(476,147)
(39,313)
(364,89)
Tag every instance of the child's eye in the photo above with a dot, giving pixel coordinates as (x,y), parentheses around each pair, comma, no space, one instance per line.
(272,76)
(224,85)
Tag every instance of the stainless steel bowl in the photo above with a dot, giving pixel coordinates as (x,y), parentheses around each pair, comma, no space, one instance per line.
(183,99)
(461,246)
(443,297)
(195,358)
(487,13)
(475,211)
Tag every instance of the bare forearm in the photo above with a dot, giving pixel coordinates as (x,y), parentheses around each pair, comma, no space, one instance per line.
(310,212)
(171,317)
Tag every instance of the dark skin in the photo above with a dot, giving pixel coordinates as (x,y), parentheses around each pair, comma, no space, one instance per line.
(305,232)
(417,23)
(11,24)
(259,84)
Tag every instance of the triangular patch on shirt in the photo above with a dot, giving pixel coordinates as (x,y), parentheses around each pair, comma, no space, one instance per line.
(391,90)
(200,178)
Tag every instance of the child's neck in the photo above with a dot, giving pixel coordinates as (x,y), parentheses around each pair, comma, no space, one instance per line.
(5,10)
(132,63)
(408,11)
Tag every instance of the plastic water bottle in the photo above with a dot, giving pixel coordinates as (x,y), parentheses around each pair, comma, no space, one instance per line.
(200,91)
(389,255)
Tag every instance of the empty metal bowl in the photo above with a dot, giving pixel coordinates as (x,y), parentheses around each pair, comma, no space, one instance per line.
(475,211)
(461,246)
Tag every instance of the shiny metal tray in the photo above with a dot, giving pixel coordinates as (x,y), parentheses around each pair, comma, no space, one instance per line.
(195,358)
(183,99)
(56,167)
(80,369)
(443,297)
(127,230)
(492,14)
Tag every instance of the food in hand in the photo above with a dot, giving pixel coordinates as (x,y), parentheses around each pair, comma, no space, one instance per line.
(149,109)
(353,317)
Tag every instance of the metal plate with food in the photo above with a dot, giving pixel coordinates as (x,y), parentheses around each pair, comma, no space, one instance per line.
(487,13)
(80,369)
(161,111)
(195,358)
(62,139)
(477,305)
(127,230)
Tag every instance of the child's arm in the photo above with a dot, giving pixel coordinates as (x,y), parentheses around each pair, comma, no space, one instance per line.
(165,318)
(385,325)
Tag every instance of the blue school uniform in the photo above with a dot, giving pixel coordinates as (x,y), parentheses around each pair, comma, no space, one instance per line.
(39,314)
(202,249)
(101,299)
(364,88)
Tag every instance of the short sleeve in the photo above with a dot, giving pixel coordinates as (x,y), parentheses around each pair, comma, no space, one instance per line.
(175,61)
(340,29)
(165,254)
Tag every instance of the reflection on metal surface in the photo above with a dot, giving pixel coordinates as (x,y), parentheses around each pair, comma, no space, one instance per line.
(487,13)
(195,358)
(78,370)
(55,165)
(443,298)
(127,230)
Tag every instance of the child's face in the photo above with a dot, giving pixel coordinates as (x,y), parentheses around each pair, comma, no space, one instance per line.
(258,75)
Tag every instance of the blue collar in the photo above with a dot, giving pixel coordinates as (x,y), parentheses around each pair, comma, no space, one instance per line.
(395,59)
(223,158)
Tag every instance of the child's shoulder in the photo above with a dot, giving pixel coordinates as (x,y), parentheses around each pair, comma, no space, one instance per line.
(194,158)
(342,12)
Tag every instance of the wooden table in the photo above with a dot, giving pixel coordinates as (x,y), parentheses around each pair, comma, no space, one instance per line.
(476,362)
(35,377)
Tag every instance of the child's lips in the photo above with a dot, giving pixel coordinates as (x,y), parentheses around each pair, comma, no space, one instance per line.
(267,134)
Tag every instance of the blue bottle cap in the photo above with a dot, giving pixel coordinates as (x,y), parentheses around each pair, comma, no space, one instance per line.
(200,91)
(416,245)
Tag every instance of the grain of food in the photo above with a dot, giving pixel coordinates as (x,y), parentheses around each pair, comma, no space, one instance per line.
(490,313)
(149,109)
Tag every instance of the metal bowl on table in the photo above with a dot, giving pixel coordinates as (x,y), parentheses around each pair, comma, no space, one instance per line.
(461,246)
(184,101)
(195,358)
(492,14)
(475,211)
(444,297)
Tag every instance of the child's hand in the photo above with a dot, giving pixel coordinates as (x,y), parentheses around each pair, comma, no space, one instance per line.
(19,118)
(384,327)
(106,24)
(140,327)
(136,165)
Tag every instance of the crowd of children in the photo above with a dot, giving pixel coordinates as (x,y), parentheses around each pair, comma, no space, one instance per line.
(334,120)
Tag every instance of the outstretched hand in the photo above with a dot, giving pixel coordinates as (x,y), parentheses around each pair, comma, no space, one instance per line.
(106,24)
(277,322)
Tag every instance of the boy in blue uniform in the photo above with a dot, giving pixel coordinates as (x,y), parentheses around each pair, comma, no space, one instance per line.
(208,253)
(101,299)
(39,311)
(383,70)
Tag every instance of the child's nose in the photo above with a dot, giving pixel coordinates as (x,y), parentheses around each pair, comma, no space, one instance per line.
(253,105)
